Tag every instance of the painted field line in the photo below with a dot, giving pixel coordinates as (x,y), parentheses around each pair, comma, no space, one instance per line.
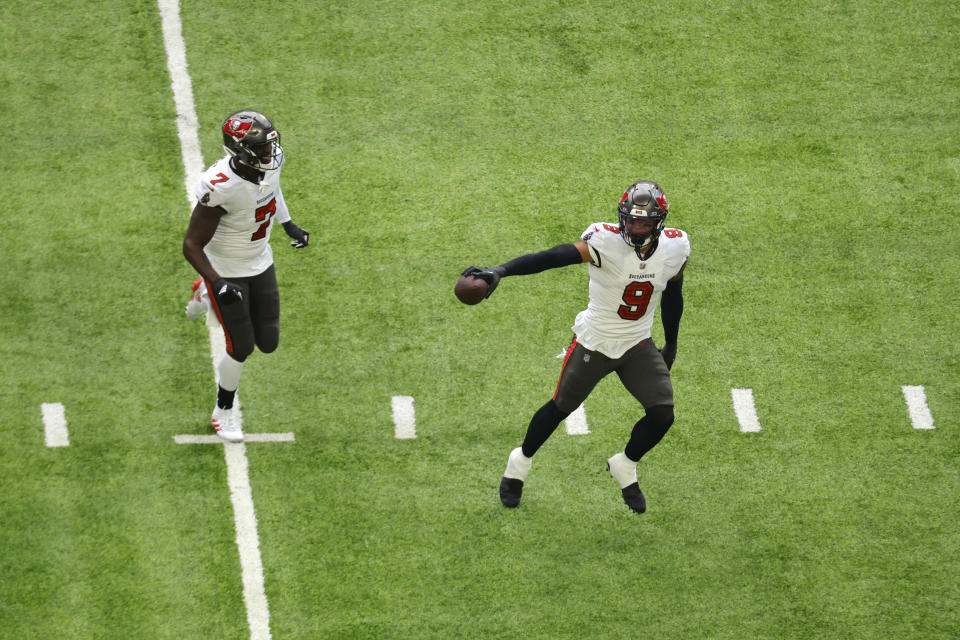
(187,123)
(245,522)
(251,564)
(576,422)
(54,424)
(404,418)
(920,414)
(248,542)
(745,409)
(247,437)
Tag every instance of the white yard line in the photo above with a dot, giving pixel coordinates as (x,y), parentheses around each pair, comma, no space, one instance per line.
(187,124)
(247,438)
(576,422)
(745,409)
(245,521)
(54,424)
(404,418)
(920,414)
(241,496)
(251,564)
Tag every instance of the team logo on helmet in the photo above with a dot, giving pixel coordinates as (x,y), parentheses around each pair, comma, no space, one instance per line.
(236,128)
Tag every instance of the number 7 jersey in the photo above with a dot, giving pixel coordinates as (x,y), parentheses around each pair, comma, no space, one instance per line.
(241,245)
(624,290)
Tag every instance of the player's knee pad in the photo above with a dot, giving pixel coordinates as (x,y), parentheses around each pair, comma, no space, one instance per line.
(268,338)
(241,349)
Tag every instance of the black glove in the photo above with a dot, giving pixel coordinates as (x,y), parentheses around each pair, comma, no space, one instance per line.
(227,292)
(491,276)
(300,237)
(669,353)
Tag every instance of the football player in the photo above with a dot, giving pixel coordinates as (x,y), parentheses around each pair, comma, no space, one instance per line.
(228,243)
(634,266)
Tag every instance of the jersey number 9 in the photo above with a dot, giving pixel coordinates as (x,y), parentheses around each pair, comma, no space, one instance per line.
(636,297)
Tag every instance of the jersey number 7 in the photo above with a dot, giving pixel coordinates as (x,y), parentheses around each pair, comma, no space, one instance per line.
(264,214)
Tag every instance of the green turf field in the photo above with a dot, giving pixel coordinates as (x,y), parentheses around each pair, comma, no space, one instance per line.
(810,151)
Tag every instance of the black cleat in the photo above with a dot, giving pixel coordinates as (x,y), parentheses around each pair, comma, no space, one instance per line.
(634,498)
(510,491)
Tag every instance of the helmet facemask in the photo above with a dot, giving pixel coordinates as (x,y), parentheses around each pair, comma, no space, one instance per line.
(643,200)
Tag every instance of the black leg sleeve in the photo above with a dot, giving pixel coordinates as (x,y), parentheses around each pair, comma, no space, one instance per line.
(542,425)
(648,431)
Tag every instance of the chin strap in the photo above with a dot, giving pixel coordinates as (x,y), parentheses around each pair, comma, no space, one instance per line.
(653,244)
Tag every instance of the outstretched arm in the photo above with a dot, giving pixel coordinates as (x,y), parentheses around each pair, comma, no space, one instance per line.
(561,255)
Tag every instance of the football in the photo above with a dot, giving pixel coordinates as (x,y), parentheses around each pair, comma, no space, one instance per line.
(470,290)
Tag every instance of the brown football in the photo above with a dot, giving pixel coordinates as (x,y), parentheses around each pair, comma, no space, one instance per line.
(470,290)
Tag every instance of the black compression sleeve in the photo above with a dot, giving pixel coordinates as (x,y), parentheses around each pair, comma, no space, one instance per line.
(561,255)
(671,308)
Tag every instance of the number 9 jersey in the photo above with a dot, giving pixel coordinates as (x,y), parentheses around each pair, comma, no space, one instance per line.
(241,245)
(625,290)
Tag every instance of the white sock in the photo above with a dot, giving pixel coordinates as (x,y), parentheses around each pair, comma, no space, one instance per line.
(229,371)
(623,470)
(518,465)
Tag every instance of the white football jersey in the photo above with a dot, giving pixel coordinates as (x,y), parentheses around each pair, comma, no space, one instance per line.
(241,245)
(624,290)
